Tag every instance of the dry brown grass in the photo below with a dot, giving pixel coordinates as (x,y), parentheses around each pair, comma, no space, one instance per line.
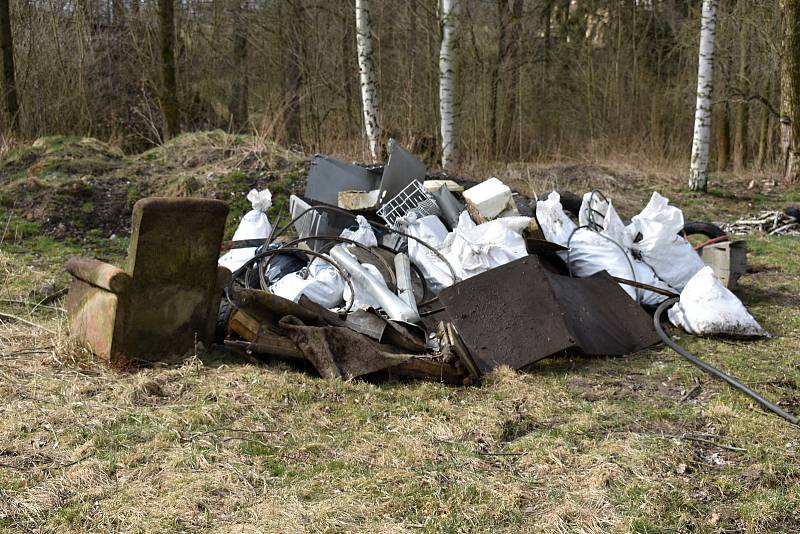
(575,445)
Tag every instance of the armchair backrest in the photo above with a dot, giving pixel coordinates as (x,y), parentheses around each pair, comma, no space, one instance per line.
(172,260)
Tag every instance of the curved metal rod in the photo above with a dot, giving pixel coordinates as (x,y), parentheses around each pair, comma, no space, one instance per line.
(284,250)
(372,223)
(713,370)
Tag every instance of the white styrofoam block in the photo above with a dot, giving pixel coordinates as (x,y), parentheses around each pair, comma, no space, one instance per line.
(490,198)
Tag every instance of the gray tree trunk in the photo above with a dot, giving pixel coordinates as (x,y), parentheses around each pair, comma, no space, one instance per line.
(238,104)
(790,89)
(169,91)
(9,76)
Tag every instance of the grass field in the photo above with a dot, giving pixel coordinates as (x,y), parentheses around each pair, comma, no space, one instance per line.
(643,443)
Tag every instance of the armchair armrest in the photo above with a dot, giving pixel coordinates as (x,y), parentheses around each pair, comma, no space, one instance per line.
(223,277)
(99,274)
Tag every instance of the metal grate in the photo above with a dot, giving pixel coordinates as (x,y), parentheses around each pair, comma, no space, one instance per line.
(412,197)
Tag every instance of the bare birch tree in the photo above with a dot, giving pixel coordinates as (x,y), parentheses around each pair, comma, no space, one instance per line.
(698,177)
(447,11)
(366,71)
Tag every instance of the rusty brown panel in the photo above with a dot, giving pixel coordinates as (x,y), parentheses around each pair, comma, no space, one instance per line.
(520,313)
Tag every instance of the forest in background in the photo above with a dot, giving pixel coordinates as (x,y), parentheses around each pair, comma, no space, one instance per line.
(534,79)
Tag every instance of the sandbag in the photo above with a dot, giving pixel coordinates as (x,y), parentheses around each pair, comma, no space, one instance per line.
(556,226)
(363,234)
(431,230)
(473,249)
(608,250)
(706,307)
(470,249)
(254,225)
(655,238)
(321,283)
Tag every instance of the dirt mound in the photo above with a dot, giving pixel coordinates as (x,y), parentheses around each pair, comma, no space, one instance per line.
(74,186)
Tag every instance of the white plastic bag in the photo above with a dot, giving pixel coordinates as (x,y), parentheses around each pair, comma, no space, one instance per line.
(669,254)
(363,234)
(707,307)
(555,224)
(432,231)
(473,249)
(470,249)
(254,225)
(591,252)
(593,208)
(323,285)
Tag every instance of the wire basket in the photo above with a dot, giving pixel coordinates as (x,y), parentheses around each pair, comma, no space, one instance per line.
(412,197)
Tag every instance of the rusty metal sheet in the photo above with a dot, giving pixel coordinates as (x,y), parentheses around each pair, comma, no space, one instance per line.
(519,313)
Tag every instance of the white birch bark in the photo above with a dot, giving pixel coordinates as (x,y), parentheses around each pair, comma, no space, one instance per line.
(447,9)
(698,175)
(366,71)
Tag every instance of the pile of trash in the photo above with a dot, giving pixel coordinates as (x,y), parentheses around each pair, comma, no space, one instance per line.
(383,271)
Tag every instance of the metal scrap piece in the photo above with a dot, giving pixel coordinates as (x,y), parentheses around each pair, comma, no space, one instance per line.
(327,176)
(401,169)
(519,313)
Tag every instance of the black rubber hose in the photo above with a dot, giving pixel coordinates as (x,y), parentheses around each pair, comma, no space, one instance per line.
(733,382)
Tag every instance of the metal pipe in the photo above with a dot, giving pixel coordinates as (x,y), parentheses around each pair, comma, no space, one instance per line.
(395,307)
(713,370)
(402,266)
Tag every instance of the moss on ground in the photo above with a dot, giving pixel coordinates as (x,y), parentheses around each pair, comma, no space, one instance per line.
(73,185)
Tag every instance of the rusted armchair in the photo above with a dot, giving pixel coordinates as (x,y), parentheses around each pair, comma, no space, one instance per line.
(167,297)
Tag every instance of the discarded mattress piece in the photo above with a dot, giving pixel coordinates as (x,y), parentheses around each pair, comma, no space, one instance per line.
(707,307)
(520,313)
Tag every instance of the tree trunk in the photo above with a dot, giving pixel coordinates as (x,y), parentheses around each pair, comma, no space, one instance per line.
(9,77)
(294,75)
(237,106)
(515,45)
(502,15)
(169,91)
(446,89)
(740,111)
(790,88)
(698,176)
(722,132)
(763,131)
(366,71)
